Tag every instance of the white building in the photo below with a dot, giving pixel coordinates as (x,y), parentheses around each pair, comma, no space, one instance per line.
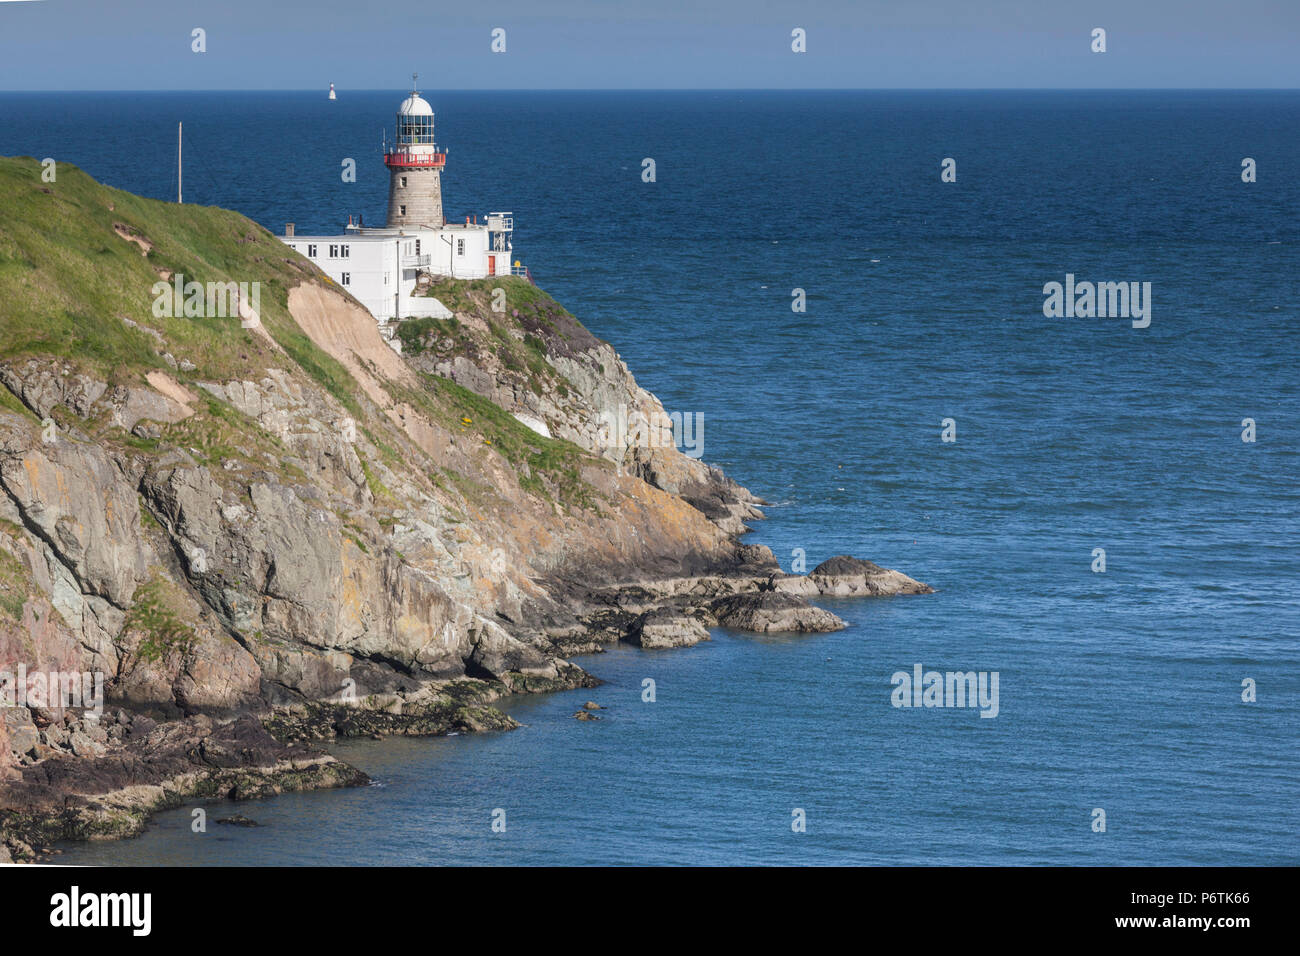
(381,267)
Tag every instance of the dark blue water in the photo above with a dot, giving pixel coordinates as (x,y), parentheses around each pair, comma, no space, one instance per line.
(1119,691)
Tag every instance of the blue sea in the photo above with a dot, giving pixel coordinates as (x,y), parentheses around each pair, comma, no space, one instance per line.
(1119,691)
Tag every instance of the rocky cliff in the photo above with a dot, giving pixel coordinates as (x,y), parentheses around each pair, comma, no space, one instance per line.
(261,528)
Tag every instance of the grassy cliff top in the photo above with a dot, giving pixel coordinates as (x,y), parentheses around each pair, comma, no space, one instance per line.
(75,255)
(79,262)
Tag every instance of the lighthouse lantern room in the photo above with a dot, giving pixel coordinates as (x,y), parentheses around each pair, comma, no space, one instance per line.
(415,166)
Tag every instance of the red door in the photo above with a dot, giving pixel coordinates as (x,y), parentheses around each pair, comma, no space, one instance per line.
(492,265)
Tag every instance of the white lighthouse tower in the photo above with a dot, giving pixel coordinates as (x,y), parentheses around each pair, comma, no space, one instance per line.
(415,167)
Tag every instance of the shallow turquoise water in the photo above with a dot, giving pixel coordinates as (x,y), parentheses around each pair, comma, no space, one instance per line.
(1118,691)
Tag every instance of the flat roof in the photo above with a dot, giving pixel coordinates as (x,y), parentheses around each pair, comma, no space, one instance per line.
(388,232)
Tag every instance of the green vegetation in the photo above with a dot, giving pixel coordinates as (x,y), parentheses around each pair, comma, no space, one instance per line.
(354,535)
(378,491)
(68,277)
(217,433)
(147,520)
(416,334)
(79,266)
(14,586)
(553,466)
(9,402)
(546,327)
(155,616)
(465,295)
(475,295)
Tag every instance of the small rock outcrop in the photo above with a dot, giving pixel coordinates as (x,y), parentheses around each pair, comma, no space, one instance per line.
(766,611)
(845,576)
(663,628)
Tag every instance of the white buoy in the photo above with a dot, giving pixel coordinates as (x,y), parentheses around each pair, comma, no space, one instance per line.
(332,96)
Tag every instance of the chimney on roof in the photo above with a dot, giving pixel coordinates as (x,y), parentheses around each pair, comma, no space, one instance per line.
(288,229)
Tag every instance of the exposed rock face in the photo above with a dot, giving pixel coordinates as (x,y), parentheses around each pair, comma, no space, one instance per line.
(765,611)
(580,390)
(844,576)
(156,767)
(298,529)
(663,627)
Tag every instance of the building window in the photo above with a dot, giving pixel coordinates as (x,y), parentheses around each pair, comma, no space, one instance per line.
(401,210)
(343,251)
(334,252)
(385,278)
(403,182)
(460,247)
(417,247)
(346,279)
(311,251)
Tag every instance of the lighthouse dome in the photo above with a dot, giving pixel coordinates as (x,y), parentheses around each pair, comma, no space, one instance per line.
(415,105)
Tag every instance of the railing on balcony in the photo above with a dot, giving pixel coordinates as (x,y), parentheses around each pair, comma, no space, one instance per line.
(415,262)
(416,160)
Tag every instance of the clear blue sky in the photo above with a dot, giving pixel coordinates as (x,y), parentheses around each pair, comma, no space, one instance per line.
(647,44)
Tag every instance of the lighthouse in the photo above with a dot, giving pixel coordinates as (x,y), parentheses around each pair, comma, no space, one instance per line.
(415,167)
(386,268)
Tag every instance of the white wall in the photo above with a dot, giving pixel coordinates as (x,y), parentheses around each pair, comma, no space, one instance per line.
(462,251)
(372,264)
(370,267)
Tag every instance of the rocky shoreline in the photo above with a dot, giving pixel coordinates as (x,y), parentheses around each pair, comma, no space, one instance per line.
(258,539)
(137,767)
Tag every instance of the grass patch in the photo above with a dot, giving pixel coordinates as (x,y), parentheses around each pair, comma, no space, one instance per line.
(418,335)
(156,616)
(553,465)
(68,278)
(14,586)
(11,403)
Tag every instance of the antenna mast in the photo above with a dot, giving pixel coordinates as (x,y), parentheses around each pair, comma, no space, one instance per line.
(179,128)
